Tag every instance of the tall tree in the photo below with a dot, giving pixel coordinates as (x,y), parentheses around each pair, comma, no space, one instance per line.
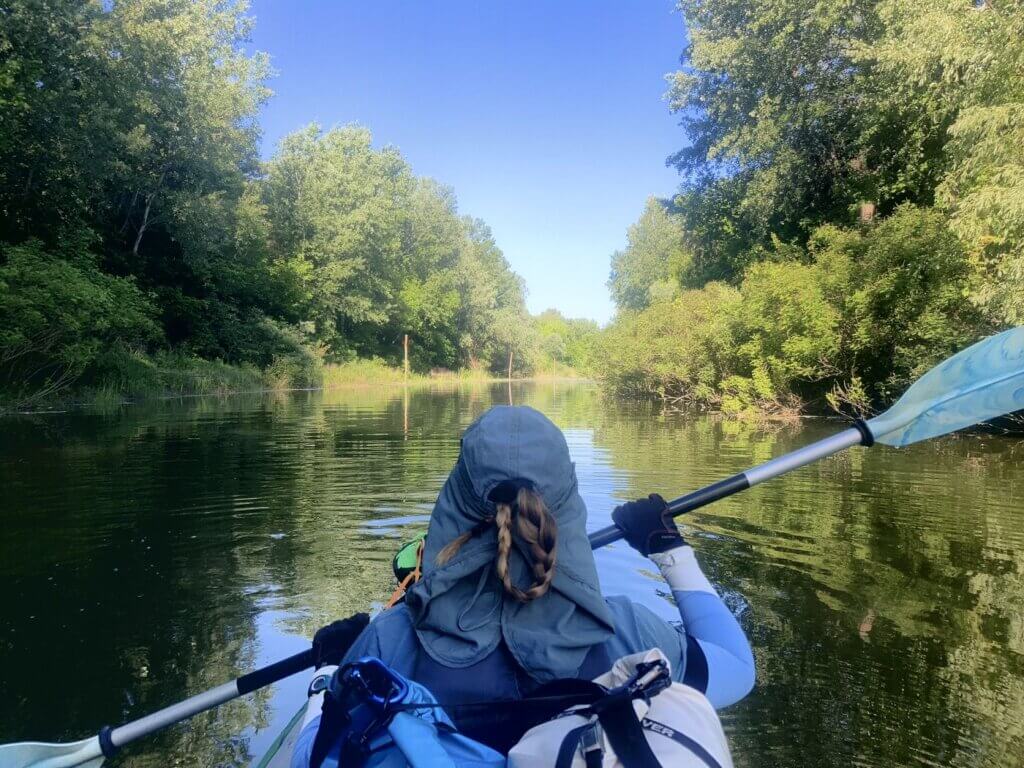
(654,252)
(962,62)
(773,107)
(337,207)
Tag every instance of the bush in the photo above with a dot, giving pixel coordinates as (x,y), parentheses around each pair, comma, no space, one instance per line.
(678,349)
(902,287)
(786,330)
(57,314)
(851,323)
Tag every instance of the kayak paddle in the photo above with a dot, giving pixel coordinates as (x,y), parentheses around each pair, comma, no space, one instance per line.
(92,751)
(982,382)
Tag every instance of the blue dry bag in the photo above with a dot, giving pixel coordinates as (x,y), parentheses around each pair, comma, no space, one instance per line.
(369,720)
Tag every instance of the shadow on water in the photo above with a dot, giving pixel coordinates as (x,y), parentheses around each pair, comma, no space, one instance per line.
(160,549)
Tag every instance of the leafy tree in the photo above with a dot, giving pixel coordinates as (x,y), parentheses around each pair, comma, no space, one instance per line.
(901,287)
(564,341)
(380,254)
(654,252)
(801,117)
(961,61)
(51,101)
(770,101)
(337,211)
(57,314)
(492,300)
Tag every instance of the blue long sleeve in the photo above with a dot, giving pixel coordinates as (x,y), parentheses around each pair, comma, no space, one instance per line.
(719,660)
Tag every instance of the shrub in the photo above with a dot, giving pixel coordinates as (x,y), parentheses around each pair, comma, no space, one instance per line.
(56,314)
(678,349)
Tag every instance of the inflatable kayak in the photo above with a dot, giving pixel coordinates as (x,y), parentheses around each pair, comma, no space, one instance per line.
(279,754)
(406,567)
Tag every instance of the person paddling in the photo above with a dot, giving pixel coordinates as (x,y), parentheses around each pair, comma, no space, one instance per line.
(509,596)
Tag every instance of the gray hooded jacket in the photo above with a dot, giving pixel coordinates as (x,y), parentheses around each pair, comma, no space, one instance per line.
(459,613)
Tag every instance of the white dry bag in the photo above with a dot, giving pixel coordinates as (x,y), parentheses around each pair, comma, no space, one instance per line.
(678,724)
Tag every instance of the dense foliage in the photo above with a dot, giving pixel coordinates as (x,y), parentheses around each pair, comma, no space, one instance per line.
(138,226)
(852,206)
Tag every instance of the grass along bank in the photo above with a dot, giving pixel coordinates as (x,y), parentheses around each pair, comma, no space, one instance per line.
(357,373)
(126,376)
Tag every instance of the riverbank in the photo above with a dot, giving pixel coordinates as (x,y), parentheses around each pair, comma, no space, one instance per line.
(136,377)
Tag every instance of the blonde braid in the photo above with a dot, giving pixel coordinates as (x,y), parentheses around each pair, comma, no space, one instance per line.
(503,520)
(539,531)
(534,526)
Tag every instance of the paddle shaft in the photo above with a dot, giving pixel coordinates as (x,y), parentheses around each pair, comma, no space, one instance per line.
(112,739)
(289,666)
(740,482)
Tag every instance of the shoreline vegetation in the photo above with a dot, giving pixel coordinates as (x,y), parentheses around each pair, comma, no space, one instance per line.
(851,208)
(850,212)
(168,378)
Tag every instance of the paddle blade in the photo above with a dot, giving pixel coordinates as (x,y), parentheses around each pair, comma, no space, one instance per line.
(982,382)
(36,754)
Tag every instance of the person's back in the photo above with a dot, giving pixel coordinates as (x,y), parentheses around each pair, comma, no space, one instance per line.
(509,595)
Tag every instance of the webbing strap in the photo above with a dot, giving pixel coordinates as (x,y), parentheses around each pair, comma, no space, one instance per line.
(571,742)
(626,735)
(332,721)
(682,739)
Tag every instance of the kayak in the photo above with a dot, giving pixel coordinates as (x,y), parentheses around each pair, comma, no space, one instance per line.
(279,754)
(406,567)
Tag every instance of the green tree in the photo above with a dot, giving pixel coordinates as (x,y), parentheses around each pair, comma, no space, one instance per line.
(565,341)
(492,300)
(337,211)
(770,100)
(960,61)
(654,253)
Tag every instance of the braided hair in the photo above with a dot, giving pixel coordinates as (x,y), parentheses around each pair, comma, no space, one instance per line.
(533,524)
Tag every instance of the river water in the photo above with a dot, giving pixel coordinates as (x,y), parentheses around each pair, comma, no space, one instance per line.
(160,549)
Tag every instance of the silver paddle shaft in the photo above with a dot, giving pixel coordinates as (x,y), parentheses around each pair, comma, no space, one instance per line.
(742,481)
(174,713)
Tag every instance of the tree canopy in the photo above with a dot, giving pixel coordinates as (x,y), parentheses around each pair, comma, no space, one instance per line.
(136,217)
(854,169)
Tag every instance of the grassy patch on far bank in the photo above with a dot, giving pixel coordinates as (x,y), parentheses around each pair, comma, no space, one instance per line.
(356,373)
(371,372)
(123,375)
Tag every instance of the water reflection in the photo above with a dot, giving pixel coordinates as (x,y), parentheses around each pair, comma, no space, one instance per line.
(161,549)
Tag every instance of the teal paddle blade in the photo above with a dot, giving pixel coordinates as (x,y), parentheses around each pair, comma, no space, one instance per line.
(982,382)
(36,754)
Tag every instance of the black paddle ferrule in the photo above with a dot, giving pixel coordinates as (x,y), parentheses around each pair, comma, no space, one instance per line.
(277,671)
(866,438)
(712,493)
(107,746)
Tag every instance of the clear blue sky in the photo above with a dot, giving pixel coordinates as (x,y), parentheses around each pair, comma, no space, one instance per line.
(546,116)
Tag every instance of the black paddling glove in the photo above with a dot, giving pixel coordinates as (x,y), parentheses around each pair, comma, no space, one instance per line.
(648,525)
(331,643)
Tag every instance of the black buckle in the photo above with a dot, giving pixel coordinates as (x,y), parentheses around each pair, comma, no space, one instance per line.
(650,679)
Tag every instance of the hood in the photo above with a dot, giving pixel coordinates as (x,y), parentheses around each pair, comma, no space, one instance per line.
(460,610)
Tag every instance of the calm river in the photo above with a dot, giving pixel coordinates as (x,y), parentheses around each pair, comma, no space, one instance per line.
(153,552)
